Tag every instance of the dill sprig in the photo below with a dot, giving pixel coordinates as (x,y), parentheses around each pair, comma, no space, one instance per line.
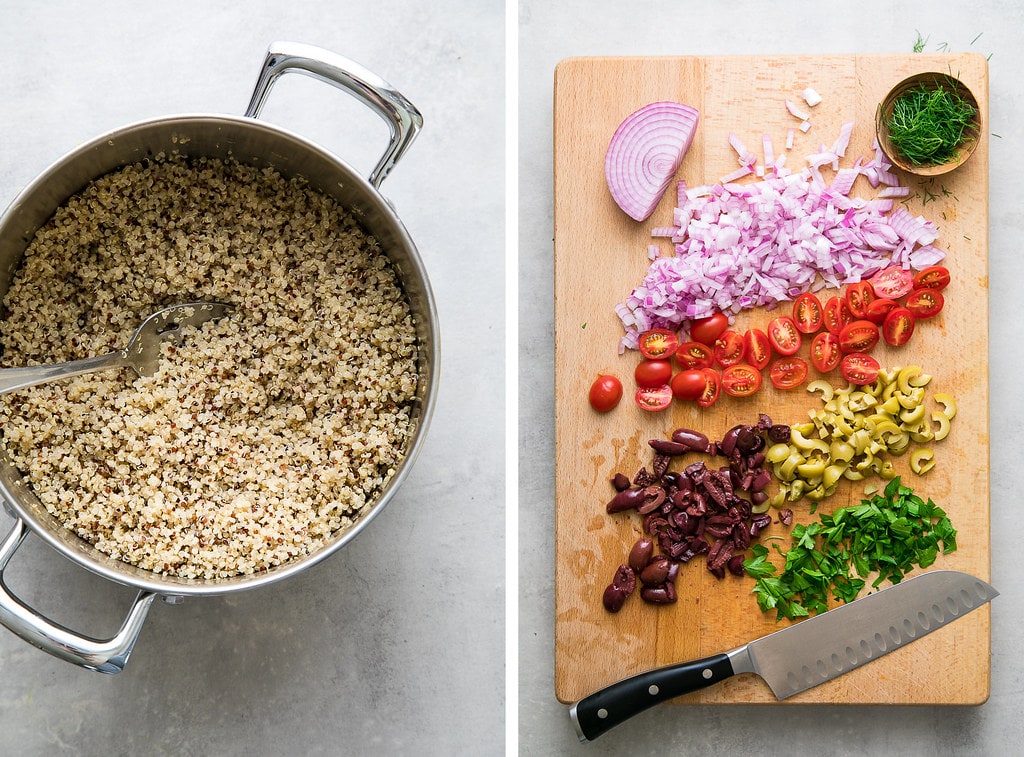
(928,124)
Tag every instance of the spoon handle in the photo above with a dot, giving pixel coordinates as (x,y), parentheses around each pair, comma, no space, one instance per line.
(12,379)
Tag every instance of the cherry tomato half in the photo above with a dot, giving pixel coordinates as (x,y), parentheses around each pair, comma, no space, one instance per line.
(788,372)
(807,313)
(729,348)
(689,384)
(605,393)
(758,348)
(879,309)
(925,303)
(858,336)
(694,355)
(654,398)
(933,277)
(652,373)
(825,352)
(836,314)
(784,335)
(658,344)
(858,297)
(707,330)
(741,380)
(898,327)
(712,388)
(859,369)
(892,282)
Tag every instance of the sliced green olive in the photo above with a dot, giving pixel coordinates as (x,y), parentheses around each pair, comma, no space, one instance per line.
(813,468)
(943,430)
(922,461)
(777,453)
(826,389)
(911,378)
(948,405)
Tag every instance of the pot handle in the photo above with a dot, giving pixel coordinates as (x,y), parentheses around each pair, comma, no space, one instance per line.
(402,117)
(101,655)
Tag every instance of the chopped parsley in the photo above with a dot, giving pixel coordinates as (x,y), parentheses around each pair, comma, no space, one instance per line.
(889,534)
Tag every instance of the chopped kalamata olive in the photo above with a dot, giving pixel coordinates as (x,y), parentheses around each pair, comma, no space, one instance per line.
(736,565)
(627,499)
(666,447)
(695,440)
(614,598)
(699,510)
(659,595)
(643,478)
(653,497)
(748,440)
(640,555)
(656,572)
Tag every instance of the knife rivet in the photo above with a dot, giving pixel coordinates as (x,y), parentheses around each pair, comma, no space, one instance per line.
(707,673)
(602,713)
(653,690)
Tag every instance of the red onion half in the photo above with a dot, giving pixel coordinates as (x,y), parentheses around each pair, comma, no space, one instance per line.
(644,155)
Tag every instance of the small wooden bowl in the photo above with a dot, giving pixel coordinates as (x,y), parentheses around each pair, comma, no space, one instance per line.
(930,80)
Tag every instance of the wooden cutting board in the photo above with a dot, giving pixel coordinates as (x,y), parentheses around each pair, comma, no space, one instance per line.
(601,254)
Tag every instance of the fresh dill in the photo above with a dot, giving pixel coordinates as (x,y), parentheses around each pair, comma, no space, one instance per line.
(929,123)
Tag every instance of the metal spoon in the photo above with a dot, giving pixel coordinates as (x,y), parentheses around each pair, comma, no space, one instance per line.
(142,354)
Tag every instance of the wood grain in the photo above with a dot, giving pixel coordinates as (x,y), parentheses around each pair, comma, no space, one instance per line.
(600,254)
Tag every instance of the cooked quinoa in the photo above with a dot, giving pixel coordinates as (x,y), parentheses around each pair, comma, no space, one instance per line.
(262,433)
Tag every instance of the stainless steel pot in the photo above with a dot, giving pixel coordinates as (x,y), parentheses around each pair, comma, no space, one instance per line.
(248,140)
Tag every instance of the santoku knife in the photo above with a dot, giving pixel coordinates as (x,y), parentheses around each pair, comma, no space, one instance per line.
(803,655)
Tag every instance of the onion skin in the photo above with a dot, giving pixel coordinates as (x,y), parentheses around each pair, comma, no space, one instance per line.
(644,154)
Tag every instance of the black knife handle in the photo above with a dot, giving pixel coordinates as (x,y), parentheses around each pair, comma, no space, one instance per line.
(605,709)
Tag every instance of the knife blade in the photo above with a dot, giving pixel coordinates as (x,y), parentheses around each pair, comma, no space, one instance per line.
(803,655)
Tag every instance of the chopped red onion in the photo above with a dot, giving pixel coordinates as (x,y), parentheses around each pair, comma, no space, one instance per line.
(839,148)
(759,243)
(811,97)
(796,112)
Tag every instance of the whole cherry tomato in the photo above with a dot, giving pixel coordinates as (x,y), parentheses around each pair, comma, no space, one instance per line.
(707,330)
(605,393)
(689,384)
(652,373)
